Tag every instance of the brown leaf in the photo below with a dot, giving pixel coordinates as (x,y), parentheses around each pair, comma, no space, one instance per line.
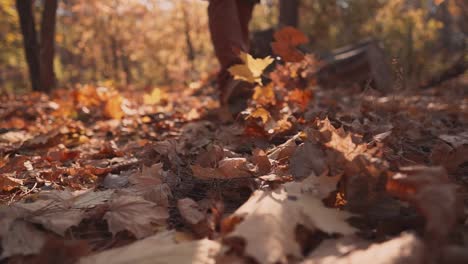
(57,211)
(21,238)
(451,152)
(286,41)
(160,248)
(190,211)
(405,249)
(228,168)
(270,219)
(7,183)
(300,97)
(260,159)
(431,192)
(264,95)
(148,177)
(134,214)
(194,217)
(308,159)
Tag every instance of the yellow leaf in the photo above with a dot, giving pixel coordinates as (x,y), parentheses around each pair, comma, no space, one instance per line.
(261,113)
(154,97)
(264,95)
(251,69)
(113,108)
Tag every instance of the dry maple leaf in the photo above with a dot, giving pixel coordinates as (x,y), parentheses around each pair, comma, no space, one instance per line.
(228,168)
(405,249)
(57,211)
(308,159)
(160,248)
(21,238)
(113,107)
(261,160)
(155,97)
(432,193)
(264,95)
(252,68)
(134,214)
(148,177)
(286,41)
(451,152)
(194,217)
(7,183)
(300,97)
(270,219)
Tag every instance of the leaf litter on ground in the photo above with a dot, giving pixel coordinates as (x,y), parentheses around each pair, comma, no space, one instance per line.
(304,175)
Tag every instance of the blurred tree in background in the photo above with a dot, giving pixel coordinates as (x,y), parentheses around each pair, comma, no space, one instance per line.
(163,42)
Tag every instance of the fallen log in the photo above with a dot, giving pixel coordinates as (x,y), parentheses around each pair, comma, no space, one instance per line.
(359,63)
(364,62)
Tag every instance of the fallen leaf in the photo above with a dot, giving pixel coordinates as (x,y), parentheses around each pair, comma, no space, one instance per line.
(194,217)
(405,249)
(300,97)
(264,95)
(251,69)
(57,211)
(452,152)
(134,214)
(261,160)
(433,194)
(21,238)
(154,97)
(7,183)
(270,219)
(113,107)
(308,159)
(159,248)
(228,168)
(148,177)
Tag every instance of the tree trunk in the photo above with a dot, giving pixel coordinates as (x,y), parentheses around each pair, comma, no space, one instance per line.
(30,42)
(188,39)
(289,13)
(48,45)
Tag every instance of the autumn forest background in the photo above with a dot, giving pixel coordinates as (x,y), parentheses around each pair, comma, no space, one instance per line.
(342,139)
(157,42)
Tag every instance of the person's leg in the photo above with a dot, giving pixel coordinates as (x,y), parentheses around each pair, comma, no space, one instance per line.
(228,23)
(245,10)
(226,31)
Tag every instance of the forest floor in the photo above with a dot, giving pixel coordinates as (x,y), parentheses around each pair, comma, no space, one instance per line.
(310,175)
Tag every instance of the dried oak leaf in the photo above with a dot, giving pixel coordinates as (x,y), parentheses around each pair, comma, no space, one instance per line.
(57,211)
(113,107)
(432,193)
(261,160)
(300,97)
(21,238)
(134,214)
(308,159)
(284,151)
(149,176)
(7,183)
(160,248)
(194,216)
(451,152)
(286,41)
(251,69)
(228,168)
(405,249)
(270,219)
(264,95)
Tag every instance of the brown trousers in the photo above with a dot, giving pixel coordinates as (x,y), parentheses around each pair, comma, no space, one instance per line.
(229,28)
